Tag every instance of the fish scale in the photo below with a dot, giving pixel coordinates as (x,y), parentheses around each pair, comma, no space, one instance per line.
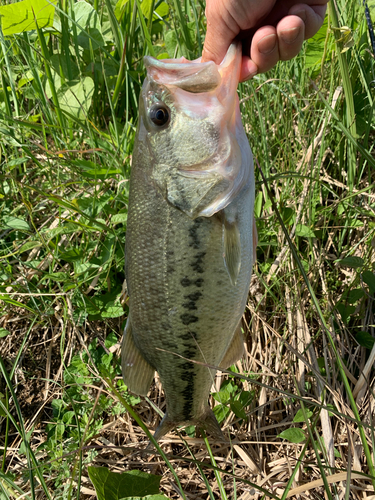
(188,275)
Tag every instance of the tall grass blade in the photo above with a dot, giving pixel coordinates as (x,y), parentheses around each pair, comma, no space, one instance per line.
(348,91)
(327,333)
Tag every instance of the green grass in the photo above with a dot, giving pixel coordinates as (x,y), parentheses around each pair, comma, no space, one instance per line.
(302,397)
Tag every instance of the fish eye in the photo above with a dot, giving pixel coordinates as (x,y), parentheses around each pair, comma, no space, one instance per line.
(159,114)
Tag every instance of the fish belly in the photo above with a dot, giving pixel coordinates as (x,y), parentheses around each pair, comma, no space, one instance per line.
(184,309)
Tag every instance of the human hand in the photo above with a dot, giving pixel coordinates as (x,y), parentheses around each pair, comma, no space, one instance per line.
(270,30)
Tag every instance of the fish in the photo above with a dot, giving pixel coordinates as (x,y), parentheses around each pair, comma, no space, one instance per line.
(190,237)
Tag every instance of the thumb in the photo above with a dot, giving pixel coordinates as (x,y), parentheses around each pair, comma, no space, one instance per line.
(215,46)
(220,34)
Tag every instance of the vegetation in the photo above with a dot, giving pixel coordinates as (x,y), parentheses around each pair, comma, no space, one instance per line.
(299,408)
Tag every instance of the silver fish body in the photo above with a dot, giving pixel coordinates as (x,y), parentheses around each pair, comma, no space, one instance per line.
(189,242)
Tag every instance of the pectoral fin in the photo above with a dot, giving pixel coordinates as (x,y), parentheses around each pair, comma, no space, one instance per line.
(235,350)
(232,246)
(136,371)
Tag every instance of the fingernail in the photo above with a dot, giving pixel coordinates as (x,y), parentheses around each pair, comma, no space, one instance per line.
(267,44)
(291,35)
(250,76)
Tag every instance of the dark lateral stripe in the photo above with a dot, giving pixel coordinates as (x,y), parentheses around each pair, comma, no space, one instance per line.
(187,318)
(188,375)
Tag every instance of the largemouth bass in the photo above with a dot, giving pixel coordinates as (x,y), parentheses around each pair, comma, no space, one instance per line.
(189,241)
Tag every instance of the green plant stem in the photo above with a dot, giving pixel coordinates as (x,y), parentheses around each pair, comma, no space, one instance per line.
(348,92)
(145,31)
(6,436)
(213,461)
(8,66)
(47,68)
(120,76)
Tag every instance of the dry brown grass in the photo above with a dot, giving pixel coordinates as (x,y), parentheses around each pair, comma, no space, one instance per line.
(283,345)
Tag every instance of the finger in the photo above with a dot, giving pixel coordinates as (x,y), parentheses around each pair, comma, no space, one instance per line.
(215,45)
(312,16)
(264,48)
(221,31)
(291,34)
(248,69)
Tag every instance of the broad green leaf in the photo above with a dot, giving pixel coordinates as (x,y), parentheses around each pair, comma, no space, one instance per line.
(345,311)
(221,412)
(316,46)
(369,278)
(294,435)
(23,448)
(76,99)
(113,486)
(238,409)
(3,332)
(107,249)
(29,246)
(87,18)
(190,430)
(119,218)
(111,340)
(16,223)
(68,228)
(299,416)
(104,306)
(72,255)
(25,248)
(19,17)
(56,83)
(163,55)
(353,295)
(28,77)
(162,9)
(112,310)
(304,231)
(17,161)
(365,340)
(288,215)
(352,261)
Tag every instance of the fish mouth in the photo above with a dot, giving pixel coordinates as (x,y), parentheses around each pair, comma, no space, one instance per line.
(194,76)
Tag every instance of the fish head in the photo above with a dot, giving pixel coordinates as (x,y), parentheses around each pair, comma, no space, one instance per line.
(189,118)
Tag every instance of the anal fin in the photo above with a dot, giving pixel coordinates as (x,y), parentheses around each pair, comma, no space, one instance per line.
(136,371)
(208,423)
(235,350)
